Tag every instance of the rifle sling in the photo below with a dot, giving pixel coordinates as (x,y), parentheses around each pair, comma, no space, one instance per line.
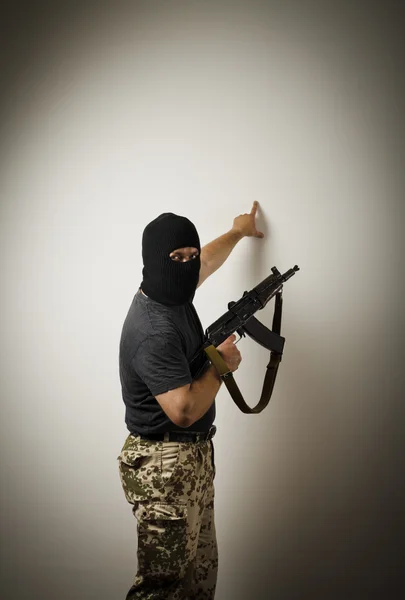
(271,369)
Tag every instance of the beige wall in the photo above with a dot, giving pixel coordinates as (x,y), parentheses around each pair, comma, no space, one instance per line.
(115,112)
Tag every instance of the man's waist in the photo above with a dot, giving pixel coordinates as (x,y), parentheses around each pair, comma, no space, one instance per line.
(181,436)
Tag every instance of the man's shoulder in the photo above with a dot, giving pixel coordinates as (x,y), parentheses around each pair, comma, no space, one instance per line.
(147,318)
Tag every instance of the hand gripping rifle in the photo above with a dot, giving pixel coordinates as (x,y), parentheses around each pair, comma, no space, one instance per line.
(239,318)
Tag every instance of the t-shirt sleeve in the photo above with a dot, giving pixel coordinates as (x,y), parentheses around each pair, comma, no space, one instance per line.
(161,364)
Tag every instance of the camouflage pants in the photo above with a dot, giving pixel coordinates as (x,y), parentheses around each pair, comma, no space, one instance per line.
(170,485)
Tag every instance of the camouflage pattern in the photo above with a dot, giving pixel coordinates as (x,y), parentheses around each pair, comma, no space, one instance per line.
(170,485)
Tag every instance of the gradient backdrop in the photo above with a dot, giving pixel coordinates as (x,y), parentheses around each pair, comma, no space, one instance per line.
(113,112)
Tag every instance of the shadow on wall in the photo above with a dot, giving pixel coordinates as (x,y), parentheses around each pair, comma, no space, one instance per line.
(258,264)
(312,517)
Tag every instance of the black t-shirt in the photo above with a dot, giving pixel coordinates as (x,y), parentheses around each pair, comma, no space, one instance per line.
(156,347)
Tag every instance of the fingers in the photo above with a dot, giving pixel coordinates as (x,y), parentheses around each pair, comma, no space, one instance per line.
(254,207)
(258,234)
(230,339)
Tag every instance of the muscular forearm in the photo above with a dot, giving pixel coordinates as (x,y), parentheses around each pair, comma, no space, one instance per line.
(216,252)
(201,395)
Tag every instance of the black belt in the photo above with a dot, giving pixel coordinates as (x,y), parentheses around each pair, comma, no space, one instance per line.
(181,436)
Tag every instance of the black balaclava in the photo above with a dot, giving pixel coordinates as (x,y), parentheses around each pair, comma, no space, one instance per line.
(167,281)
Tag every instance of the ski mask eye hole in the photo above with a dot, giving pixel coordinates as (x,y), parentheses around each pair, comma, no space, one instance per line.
(184,254)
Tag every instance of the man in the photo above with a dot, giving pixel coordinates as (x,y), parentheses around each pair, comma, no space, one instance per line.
(167,464)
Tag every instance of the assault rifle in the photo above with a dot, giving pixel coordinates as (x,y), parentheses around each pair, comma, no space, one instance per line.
(240,318)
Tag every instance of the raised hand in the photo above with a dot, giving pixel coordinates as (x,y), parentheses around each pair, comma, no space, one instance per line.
(246,223)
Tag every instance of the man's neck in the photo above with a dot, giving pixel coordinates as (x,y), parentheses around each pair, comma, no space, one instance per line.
(144,293)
